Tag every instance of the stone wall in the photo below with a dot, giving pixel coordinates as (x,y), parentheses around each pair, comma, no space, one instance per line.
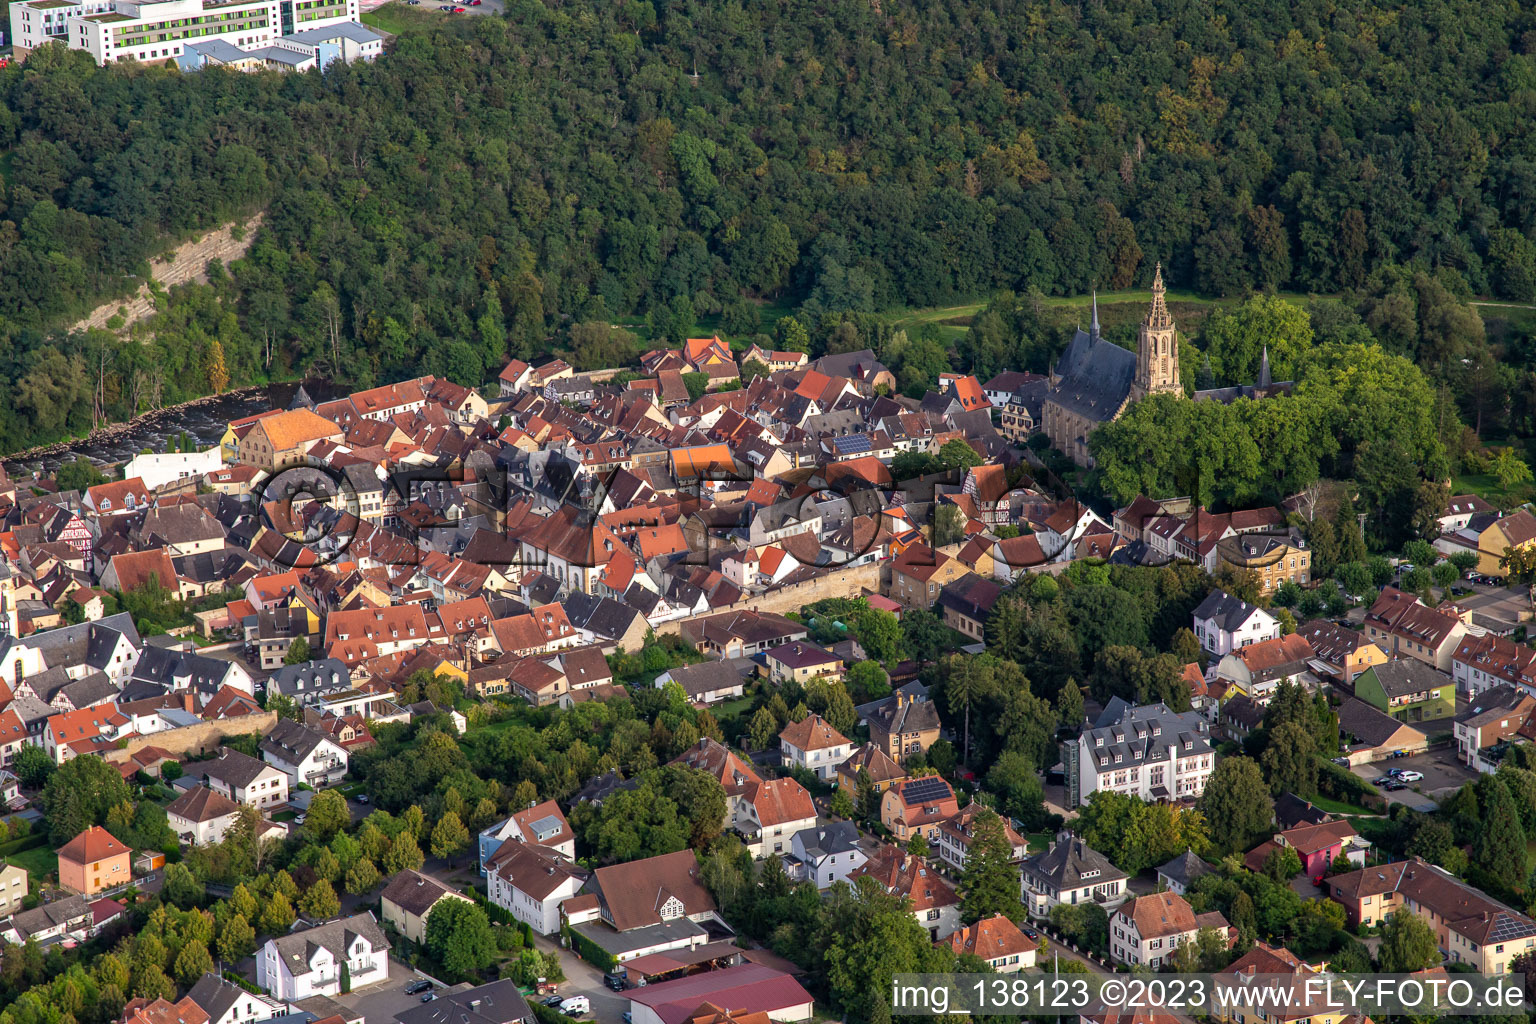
(187,262)
(203,738)
(781,600)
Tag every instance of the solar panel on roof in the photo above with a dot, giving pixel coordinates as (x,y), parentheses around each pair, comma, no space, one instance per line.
(924,789)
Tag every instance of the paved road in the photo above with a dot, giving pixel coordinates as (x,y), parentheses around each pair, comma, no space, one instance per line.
(383,1002)
(582,979)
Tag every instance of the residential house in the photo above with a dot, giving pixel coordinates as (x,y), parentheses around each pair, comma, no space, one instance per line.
(734,774)
(709,682)
(902,725)
(1491,722)
(872,762)
(1318,845)
(540,824)
(740,634)
(1405,627)
(67,917)
(1257,670)
(315,961)
(530,882)
(957,831)
(1069,871)
(13,888)
(776,810)
(966,604)
(227,1003)
(1338,652)
(201,816)
(1515,530)
(919,573)
(643,906)
(1480,663)
(814,745)
(1224,623)
(1239,716)
(917,805)
(1409,691)
(1472,928)
(1146,930)
(825,854)
(933,901)
(998,941)
(1148,752)
(1180,873)
(244,779)
(1274,558)
(94,860)
(801,662)
(408,899)
(304,754)
(499,1002)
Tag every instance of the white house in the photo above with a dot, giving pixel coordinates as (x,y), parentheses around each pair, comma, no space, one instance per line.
(530,882)
(776,810)
(814,745)
(1070,872)
(245,779)
(304,755)
(1224,623)
(201,817)
(540,824)
(1148,752)
(160,470)
(228,1003)
(1145,931)
(311,962)
(825,854)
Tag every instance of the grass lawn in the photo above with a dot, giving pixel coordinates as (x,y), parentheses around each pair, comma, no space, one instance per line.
(1487,487)
(1333,806)
(730,709)
(396,18)
(39,864)
(1038,841)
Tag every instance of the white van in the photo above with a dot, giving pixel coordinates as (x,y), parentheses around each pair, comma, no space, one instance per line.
(574,1005)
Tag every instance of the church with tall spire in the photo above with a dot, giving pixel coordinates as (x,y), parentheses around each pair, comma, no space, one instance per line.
(1095,381)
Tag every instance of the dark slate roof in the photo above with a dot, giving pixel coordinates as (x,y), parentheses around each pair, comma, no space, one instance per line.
(499,1002)
(1228,612)
(89,643)
(1291,810)
(1095,377)
(295,948)
(326,675)
(415,892)
(215,995)
(1065,864)
(830,839)
(1405,676)
(1185,868)
(291,742)
(174,668)
(232,767)
(1366,724)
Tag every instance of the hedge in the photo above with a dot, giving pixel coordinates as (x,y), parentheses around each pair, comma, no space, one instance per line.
(243,983)
(1342,784)
(590,951)
(30,841)
(548,1014)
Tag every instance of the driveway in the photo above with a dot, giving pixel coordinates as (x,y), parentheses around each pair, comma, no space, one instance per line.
(582,979)
(383,1002)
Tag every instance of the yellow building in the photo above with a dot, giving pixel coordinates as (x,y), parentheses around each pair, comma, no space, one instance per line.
(282,440)
(1516,530)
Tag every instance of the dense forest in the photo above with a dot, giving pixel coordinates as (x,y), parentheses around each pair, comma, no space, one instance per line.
(493,182)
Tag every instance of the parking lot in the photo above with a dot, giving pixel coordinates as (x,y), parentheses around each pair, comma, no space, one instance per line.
(383,1002)
(582,979)
(1442,774)
(486,7)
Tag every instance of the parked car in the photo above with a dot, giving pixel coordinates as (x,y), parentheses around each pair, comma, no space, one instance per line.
(1409,776)
(428,997)
(362,798)
(419,985)
(1382,780)
(614,981)
(1393,786)
(1341,761)
(575,1005)
(553,1000)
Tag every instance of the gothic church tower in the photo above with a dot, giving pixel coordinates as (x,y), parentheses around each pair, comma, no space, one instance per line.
(1157,352)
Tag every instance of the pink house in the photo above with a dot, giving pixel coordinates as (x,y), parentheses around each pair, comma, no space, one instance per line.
(1317,846)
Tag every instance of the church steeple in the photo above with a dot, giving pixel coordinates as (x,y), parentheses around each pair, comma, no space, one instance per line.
(1157,352)
(1265,380)
(1093,328)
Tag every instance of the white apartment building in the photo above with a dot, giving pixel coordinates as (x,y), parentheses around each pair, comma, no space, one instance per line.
(1147,752)
(1224,623)
(153,30)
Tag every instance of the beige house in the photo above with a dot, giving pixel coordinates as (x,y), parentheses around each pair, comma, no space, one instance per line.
(13,889)
(408,900)
(201,817)
(282,440)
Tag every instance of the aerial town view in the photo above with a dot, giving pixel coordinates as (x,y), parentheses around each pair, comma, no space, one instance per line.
(701,512)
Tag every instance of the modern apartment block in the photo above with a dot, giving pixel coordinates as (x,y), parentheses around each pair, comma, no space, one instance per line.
(153,30)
